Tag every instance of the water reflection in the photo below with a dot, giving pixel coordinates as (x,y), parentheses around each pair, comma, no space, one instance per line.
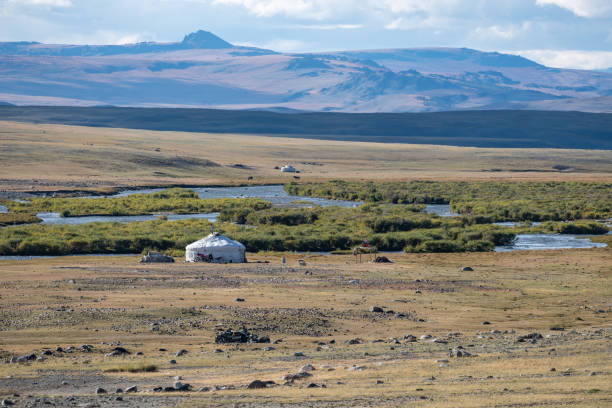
(525,242)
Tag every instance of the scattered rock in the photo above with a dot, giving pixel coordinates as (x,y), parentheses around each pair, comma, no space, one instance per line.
(239,336)
(486,323)
(181,353)
(298,376)
(7,403)
(307,367)
(26,358)
(298,354)
(172,361)
(239,300)
(356,368)
(356,340)
(313,385)
(204,389)
(100,390)
(133,388)
(269,348)
(459,352)
(467,269)
(179,386)
(409,338)
(531,336)
(376,309)
(557,328)
(382,259)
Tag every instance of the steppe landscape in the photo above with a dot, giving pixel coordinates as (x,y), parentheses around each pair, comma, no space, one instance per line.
(305,204)
(527,328)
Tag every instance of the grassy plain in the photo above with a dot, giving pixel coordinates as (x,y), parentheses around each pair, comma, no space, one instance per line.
(50,157)
(106,301)
(101,301)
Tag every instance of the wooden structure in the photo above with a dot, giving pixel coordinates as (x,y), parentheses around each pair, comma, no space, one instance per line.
(368,250)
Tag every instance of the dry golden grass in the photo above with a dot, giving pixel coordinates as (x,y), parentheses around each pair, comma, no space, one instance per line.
(48,157)
(116,299)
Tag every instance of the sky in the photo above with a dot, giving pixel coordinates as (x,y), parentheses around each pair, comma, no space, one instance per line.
(558,33)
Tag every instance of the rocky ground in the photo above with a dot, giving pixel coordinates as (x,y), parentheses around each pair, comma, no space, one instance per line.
(519,329)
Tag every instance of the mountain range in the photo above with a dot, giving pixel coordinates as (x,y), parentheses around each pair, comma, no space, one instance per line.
(206,71)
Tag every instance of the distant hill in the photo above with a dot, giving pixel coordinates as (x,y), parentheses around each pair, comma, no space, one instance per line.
(205,71)
(200,40)
(463,128)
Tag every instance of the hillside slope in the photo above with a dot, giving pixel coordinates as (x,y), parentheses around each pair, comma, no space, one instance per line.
(205,71)
(576,130)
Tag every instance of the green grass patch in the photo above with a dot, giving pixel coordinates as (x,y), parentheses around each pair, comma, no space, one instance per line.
(491,201)
(133,368)
(173,200)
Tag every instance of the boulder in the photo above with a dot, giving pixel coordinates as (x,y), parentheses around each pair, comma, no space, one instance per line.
(156,257)
(376,309)
(258,384)
(118,351)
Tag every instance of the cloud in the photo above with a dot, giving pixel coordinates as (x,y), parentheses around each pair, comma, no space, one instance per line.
(505,32)
(327,9)
(281,45)
(303,9)
(582,8)
(52,3)
(569,58)
(327,26)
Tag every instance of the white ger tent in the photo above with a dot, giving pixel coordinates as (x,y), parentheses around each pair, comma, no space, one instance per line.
(215,248)
(288,169)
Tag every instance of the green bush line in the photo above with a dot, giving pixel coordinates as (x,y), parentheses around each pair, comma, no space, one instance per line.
(495,201)
(174,200)
(277,229)
(387,226)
